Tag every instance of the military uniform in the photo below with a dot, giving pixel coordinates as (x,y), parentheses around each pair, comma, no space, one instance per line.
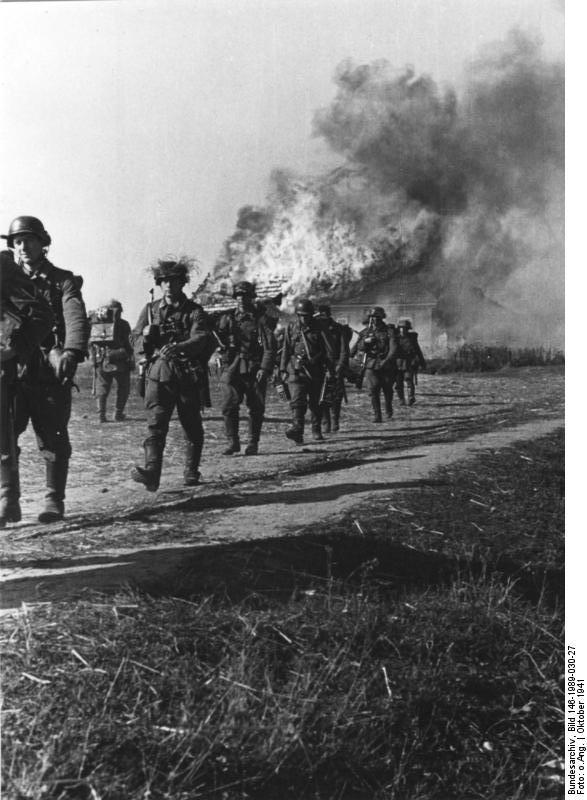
(376,350)
(337,340)
(114,362)
(44,390)
(409,359)
(173,379)
(304,363)
(248,357)
(25,320)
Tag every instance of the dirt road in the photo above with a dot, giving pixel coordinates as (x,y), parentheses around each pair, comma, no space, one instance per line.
(115,533)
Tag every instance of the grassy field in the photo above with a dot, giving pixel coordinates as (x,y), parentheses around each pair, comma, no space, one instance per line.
(413,652)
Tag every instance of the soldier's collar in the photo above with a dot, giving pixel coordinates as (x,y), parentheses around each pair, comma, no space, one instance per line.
(42,270)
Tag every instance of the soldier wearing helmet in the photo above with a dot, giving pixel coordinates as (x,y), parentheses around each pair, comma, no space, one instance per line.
(112,356)
(409,360)
(304,362)
(173,343)
(248,352)
(25,320)
(337,339)
(375,351)
(44,392)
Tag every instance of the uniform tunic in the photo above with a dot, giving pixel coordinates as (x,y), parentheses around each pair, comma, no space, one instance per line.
(376,350)
(120,358)
(305,358)
(175,381)
(41,397)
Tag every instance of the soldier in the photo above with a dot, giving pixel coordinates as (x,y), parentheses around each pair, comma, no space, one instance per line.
(112,357)
(44,392)
(25,320)
(173,344)
(304,364)
(248,356)
(338,346)
(376,348)
(409,359)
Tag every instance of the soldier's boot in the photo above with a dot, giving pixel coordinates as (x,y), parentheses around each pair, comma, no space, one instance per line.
(255,424)
(56,480)
(101,409)
(401,395)
(150,474)
(376,405)
(335,418)
(119,415)
(412,397)
(9,493)
(191,473)
(326,420)
(388,409)
(296,431)
(231,430)
(317,428)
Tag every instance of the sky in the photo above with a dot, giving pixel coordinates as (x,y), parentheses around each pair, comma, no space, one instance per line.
(136,130)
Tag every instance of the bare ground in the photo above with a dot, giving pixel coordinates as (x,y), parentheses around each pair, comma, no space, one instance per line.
(117,533)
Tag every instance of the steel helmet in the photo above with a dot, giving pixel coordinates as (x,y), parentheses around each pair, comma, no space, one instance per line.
(305,307)
(164,270)
(377,311)
(244,287)
(324,308)
(20,225)
(404,323)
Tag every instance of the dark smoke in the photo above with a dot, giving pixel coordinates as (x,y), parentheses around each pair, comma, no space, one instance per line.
(468,191)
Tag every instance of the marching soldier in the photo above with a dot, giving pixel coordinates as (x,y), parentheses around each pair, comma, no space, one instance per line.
(376,350)
(113,361)
(173,344)
(248,356)
(338,346)
(25,320)
(304,364)
(44,392)
(409,359)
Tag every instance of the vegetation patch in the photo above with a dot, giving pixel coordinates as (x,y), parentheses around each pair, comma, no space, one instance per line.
(356,683)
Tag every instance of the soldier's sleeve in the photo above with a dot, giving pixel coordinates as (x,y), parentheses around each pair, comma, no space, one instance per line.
(77,326)
(269,348)
(137,333)
(391,349)
(200,341)
(286,349)
(127,338)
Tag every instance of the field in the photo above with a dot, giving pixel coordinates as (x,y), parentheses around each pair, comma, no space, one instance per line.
(376,617)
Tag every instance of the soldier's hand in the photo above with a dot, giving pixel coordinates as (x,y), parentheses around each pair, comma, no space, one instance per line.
(168,351)
(284,374)
(261,376)
(67,366)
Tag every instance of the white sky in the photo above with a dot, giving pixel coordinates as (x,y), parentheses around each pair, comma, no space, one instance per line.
(137,129)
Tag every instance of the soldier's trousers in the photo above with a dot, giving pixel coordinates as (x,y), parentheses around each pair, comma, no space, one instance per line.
(48,407)
(160,401)
(236,388)
(104,381)
(378,381)
(406,377)
(305,393)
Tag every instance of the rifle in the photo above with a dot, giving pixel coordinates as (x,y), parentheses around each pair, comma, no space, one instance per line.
(144,362)
(361,376)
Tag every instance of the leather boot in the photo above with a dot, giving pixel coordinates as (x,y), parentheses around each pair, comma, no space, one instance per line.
(296,431)
(56,474)
(191,474)
(102,409)
(376,405)
(231,430)
(326,422)
(9,492)
(335,419)
(150,474)
(252,447)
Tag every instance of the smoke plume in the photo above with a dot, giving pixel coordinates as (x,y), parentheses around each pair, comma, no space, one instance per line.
(466,191)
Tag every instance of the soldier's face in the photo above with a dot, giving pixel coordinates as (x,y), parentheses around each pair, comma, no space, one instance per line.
(304,319)
(171,288)
(28,248)
(244,302)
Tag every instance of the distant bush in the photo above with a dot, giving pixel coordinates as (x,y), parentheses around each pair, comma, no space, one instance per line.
(481,358)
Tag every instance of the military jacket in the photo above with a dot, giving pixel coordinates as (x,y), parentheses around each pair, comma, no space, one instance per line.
(249,344)
(62,290)
(305,350)
(375,348)
(337,343)
(184,324)
(26,317)
(409,351)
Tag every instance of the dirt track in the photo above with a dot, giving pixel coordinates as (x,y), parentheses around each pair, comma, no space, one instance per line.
(116,533)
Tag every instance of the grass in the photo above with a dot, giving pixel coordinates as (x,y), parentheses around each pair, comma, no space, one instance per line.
(355,685)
